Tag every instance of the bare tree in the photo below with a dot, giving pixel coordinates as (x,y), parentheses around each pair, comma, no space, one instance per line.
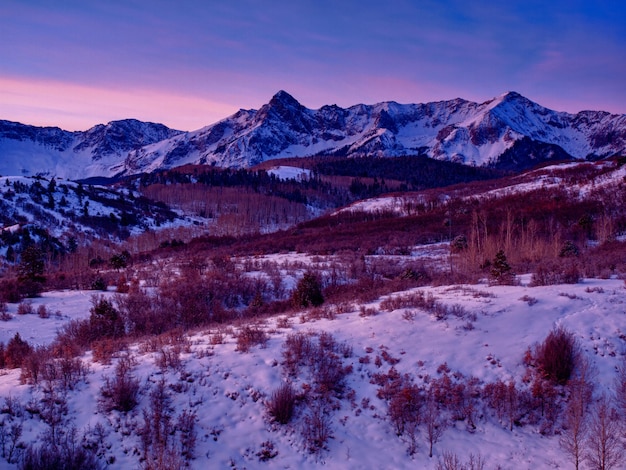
(604,447)
(435,423)
(620,390)
(575,426)
(511,403)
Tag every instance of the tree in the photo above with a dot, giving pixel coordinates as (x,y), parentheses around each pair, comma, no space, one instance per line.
(575,424)
(105,321)
(434,422)
(604,447)
(120,261)
(308,292)
(620,390)
(501,271)
(30,271)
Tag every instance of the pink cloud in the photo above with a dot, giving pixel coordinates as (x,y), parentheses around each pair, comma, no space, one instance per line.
(78,107)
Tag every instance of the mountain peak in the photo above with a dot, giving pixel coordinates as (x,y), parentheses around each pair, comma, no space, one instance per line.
(282,97)
(513,97)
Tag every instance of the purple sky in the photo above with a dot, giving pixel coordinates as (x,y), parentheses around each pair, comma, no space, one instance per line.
(187,64)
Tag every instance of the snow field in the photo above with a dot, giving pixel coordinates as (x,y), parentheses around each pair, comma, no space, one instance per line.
(227,388)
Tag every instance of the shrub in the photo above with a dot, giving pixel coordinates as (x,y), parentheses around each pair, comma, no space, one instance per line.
(25,308)
(4,311)
(569,250)
(249,336)
(69,454)
(105,321)
(99,284)
(556,356)
(316,430)
(549,274)
(282,403)
(16,352)
(43,312)
(308,292)
(121,391)
(9,291)
(459,244)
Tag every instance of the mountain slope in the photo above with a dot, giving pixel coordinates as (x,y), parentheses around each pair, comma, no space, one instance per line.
(509,131)
(28,150)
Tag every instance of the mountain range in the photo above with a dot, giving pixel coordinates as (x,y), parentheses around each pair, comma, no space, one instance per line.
(508,131)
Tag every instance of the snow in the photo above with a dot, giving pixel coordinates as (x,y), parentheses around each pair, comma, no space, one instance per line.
(289,172)
(62,306)
(226,387)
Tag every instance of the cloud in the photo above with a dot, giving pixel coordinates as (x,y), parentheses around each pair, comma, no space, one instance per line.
(77,107)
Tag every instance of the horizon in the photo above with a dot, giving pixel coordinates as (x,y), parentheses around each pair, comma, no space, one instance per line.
(86,63)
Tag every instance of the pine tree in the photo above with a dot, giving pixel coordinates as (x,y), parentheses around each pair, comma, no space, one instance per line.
(501,271)
(308,292)
(30,271)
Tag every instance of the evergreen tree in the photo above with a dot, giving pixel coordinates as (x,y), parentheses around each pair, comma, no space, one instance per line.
(105,320)
(501,271)
(30,271)
(308,292)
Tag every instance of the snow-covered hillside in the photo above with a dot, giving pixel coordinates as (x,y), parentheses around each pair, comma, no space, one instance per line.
(99,151)
(226,390)
(65,209)
(551,177)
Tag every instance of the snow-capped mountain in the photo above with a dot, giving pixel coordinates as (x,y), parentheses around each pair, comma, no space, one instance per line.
(50,151)
(509,131)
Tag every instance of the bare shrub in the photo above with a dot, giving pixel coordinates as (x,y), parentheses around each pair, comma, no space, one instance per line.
(267,452)
(105,349)
(10,291)
(316,430)
(158,433)
(296,351)
(620,389)
(529,300)
(367,312)
(283,322)
(552,273)
(186,427)
(434,423)
(405,406)
(217,338)
(4,311)
(34,363)
(575,426)
(69,453)
(281,404)
(321,358)
(11,430)
(249,336)
(16,352)
(25,308)
(169,358)
(121,391)
(450,461)
(43,312)
(556,356)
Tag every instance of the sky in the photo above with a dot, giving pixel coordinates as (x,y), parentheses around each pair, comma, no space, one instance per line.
(190,63)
